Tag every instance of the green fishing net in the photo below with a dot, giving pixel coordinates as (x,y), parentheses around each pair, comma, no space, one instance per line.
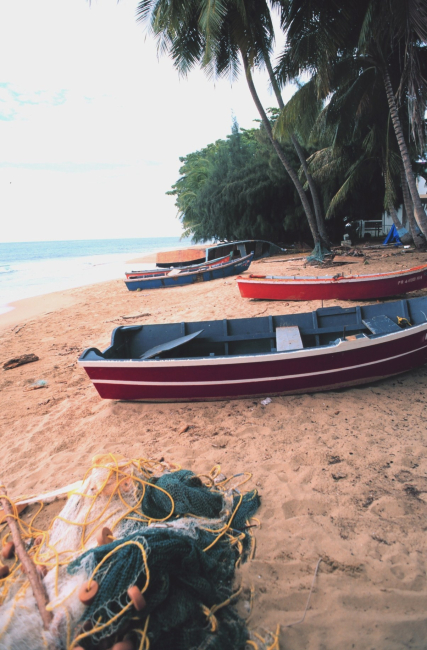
(191,562)
(318,253)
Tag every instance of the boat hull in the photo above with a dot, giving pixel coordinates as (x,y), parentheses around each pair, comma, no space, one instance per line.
(190,277)
(369,287)
(157,273)
(346,363)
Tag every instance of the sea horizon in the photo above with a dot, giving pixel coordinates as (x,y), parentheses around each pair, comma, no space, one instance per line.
(30,269)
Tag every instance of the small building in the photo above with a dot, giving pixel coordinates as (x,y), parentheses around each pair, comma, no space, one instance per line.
(381,227)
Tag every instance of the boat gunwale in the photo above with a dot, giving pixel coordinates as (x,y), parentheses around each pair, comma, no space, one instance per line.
(202,269)
(251,380)
(155,272)
(330,279)
(261,357)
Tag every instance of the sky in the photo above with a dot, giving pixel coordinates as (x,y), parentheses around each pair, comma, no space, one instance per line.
(93,122)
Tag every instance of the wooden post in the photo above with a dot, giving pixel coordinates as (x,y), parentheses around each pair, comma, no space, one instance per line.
(26,562)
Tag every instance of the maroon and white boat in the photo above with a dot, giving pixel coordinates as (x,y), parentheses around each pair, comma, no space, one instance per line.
(339,287)
(273,355)
(156,273)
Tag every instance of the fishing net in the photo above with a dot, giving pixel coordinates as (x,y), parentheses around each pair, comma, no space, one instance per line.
(318,253)
(174,537)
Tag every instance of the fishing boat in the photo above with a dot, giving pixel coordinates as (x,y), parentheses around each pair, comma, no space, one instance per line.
(181,257)
(339,287)
(156,273)
(181,277)
(258,247)
(325,349)
(242,248)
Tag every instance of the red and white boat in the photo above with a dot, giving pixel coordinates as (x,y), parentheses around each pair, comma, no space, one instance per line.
(156,273)
(273,355)
(339,287)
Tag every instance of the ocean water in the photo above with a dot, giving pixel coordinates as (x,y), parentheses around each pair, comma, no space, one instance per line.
(29,269)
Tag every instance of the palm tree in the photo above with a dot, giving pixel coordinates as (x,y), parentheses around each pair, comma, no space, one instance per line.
(353,130)
(389,36)
(295,141)
(219,37)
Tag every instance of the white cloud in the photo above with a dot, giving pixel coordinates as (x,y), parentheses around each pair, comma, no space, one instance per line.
(84,93)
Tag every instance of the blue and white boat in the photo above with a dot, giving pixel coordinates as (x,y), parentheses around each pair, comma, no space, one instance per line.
(179,278)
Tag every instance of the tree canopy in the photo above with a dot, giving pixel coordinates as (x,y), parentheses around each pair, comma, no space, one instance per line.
(237,189)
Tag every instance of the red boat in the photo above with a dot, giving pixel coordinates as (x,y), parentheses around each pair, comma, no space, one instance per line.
(273,355)
(155,273)
(339,287)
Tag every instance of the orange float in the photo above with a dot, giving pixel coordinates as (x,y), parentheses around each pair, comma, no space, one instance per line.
(88,591)
(126,644)
(8,550)
(137,598)
(4,571)
(104,536)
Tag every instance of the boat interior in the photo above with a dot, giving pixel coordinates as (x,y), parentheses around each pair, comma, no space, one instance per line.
(261,335)
(242,248)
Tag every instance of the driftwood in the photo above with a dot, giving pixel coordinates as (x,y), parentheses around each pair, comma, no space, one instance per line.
(136,316)
(26,562)
(19,361)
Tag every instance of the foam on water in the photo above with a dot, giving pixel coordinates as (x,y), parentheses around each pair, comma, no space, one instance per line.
(29,269)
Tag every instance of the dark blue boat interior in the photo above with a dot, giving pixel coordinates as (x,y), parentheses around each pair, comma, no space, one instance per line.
(250,336)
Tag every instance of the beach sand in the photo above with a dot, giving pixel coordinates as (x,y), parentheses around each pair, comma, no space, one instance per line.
(342,475)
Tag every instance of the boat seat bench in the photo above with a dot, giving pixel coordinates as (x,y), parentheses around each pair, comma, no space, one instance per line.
(381,324)
(286,337)
(272,334)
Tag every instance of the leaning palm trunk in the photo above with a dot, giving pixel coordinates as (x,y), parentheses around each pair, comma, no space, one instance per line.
(316,203)
(287,165)
(314,195)
(419,213)
(406,238)
(409,209)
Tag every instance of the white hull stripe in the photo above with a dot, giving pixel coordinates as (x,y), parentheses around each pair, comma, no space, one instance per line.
(253,380)
(287,280)
(341,346)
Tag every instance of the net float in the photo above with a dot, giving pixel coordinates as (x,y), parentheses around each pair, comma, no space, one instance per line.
(8,550)
(88,591)
(126,644)
(104,536)
(4,571)
(137,598)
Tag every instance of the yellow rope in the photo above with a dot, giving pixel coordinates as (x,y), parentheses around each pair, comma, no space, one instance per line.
(275,644)
(117,548)
(98,627)
(119,474)
(145,641)
(226,527)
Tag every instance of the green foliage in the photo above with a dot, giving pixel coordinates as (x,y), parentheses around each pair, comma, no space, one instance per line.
(237,188)
(356,161)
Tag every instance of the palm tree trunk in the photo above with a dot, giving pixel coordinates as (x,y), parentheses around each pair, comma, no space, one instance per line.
(394,216)
(314,195)
(284,160)
(321,227)
(409,209)
(406,238)
(420,215)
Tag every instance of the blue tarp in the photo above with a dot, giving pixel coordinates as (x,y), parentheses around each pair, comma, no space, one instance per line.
(393,237)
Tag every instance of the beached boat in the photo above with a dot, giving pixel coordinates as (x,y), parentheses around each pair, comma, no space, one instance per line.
(258,247)
(157,273)
(211,360)
(181,277)
(179,258)
(339,287)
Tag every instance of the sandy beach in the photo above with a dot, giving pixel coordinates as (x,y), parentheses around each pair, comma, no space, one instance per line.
(342,475)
